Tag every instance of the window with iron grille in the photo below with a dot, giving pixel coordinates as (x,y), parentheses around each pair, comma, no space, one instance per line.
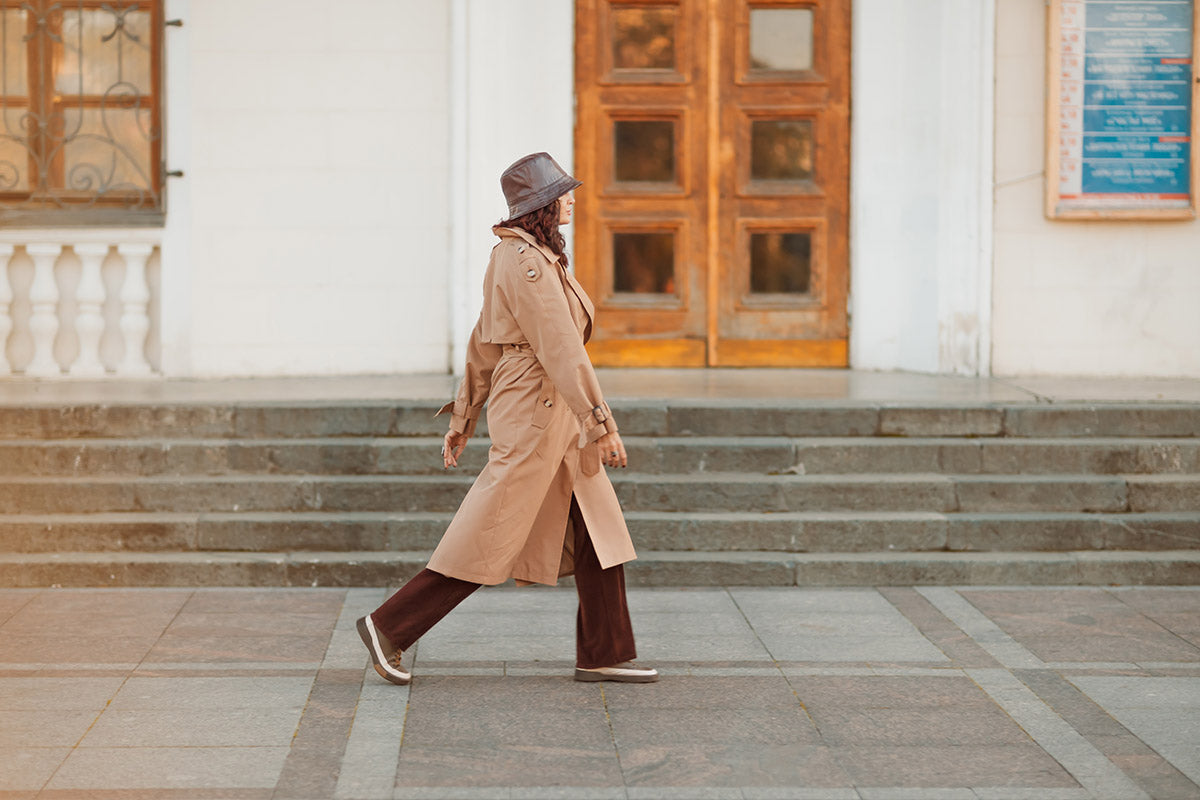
(81,112)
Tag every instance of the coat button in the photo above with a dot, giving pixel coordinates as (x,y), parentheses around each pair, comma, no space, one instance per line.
(549,403)
(531,273)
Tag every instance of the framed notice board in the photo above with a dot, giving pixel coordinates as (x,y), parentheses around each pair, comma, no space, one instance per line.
(1121,126)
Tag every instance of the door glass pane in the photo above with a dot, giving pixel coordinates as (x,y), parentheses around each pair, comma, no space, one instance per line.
(643,38)
(644,263)
(14,160)
(780,263)
(13,30)
(781,39)
(102,49)
(781,150)
(644,151)
(107,150)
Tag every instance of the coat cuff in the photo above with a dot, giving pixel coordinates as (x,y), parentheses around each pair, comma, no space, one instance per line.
(463,418)
(598,423)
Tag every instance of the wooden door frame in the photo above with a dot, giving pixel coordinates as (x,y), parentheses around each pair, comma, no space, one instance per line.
(703,57)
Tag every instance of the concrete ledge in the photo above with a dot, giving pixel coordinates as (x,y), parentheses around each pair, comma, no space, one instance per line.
(652,568)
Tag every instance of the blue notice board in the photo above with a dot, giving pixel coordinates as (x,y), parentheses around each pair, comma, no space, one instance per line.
(1124,136)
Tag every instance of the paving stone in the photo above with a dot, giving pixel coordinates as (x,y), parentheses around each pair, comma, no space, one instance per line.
(791,647)
(98,532)
(194,727)
(713,694)
(70,421)
(67,694)
(1102,420)
(509,765)
(1059,531)
(536,727)
(949,766)
(201,624)
(941,421)
(771,421)
(170,767)
(48,727)
(201,694)
(901,727)
(360,419)
(703,454)
(748,764)
(697,647)
(265,601)
(295,648)
(1081,626)
(1164,492)
(1102,456)
(1040,493)
(96,648)
(1177,611)
(837,455)
(952,691)
(641,727)
(28,768)
(710,569)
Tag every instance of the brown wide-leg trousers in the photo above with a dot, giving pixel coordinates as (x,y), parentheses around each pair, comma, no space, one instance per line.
(603,632)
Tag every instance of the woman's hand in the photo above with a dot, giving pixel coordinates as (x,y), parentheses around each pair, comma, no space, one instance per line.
(612,450)
(452,447)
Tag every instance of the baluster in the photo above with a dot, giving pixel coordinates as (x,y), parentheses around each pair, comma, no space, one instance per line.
(43,301)
(6,296)
(135,297)
(90,322)
(154,310)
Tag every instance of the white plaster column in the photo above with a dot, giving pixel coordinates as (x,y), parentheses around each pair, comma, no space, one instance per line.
(6,296)
(90,322)
(176,256)
(459,291)
(135,297)
(923,74)
(43,301)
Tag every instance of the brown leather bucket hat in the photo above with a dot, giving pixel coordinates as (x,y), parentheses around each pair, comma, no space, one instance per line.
(534,181)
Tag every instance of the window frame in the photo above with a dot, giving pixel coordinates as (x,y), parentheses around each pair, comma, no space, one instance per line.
(47,201)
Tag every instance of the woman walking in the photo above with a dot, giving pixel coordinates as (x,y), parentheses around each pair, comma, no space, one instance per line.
(543,507)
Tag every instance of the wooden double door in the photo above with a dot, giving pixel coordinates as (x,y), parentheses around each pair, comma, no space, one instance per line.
(712,139)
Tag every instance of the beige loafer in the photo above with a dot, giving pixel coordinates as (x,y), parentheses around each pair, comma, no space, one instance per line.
(384,656)
(625,672)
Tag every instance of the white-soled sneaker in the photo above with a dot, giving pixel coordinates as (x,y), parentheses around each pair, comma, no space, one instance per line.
(384,656)
(625,672)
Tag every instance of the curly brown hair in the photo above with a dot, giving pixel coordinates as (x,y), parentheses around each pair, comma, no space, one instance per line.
(543,225)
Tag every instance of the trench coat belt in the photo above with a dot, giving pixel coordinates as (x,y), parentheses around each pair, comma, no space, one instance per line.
(523,350)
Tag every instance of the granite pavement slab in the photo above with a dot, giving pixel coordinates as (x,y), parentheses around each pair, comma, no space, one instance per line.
(862,693)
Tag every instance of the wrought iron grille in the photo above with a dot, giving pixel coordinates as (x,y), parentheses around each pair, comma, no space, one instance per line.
(81,112)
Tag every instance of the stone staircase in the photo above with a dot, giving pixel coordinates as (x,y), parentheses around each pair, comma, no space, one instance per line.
(718,493)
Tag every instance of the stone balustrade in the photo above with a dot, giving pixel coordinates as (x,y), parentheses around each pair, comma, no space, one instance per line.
(80,303)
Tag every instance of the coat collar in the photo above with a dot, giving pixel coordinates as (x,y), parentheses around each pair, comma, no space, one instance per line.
(552,257)
(521,233)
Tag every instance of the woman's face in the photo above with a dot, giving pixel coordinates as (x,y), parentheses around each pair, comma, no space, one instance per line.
(565,204)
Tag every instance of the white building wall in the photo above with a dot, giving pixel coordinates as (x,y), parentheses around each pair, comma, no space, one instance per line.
(312,233)
(920,196)
(1077,298)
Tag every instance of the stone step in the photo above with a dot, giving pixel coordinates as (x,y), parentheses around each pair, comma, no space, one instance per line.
(793,532)
(653,568)
(420,456)
(637,492)
(636,418)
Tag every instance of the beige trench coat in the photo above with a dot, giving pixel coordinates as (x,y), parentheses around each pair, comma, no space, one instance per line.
(545,412)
